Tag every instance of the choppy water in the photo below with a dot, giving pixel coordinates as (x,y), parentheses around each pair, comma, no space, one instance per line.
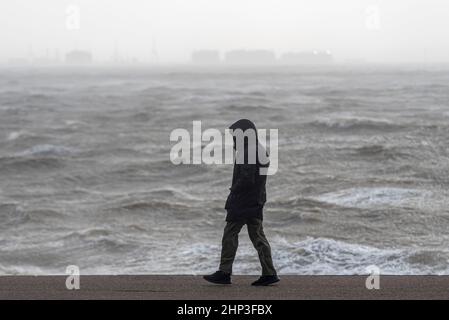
(85,176)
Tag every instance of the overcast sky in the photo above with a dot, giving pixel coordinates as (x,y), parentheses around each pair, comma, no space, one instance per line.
(370,30)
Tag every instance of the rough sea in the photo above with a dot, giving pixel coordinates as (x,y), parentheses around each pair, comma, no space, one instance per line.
(86,178)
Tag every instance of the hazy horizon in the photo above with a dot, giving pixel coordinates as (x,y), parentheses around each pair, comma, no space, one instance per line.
(399,31)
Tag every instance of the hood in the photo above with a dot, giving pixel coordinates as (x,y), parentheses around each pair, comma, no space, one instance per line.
(243,124)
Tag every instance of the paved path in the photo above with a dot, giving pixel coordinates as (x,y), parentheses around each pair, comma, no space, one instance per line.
(194,287)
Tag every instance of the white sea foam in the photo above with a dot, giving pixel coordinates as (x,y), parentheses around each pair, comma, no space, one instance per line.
(25,270)
(74,123)
(15,135)
(311,256)
(346,121)
(375,197)
(319,256)
(327,256)
(46,150)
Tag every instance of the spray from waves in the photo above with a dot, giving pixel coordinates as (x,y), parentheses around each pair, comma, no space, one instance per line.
(74,123)
(15,135)
(46,150)
(345,122)
(366,198)
(24,270)
(327,256)
(311,256)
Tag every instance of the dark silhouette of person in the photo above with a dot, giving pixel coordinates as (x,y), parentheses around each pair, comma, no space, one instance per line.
(244,205)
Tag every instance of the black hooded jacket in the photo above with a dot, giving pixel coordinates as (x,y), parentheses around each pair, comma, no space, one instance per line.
(248,193)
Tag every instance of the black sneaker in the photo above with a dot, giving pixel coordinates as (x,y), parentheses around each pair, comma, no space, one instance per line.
(266,280)
(219,277)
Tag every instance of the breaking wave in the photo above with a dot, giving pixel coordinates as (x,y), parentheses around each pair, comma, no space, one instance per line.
(327,256)
(46,150)
(375,197)
(354,122)
(311,256)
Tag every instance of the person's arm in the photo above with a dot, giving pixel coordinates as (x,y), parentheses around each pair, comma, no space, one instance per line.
(246,177)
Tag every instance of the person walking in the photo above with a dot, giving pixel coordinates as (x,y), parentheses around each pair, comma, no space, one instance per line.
(244,206)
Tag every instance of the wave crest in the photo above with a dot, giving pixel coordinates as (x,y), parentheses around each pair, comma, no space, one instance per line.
(354,122)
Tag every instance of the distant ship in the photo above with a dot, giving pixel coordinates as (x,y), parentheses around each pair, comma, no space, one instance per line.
(306,58)
(250,57)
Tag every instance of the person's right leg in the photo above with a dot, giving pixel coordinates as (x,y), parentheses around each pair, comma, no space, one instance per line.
(260,242)
(230,243)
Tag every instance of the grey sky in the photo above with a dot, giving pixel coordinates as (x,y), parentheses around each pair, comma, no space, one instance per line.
(372,30)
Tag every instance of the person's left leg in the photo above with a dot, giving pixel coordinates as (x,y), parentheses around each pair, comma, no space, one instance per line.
(260,242)
(230,243)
